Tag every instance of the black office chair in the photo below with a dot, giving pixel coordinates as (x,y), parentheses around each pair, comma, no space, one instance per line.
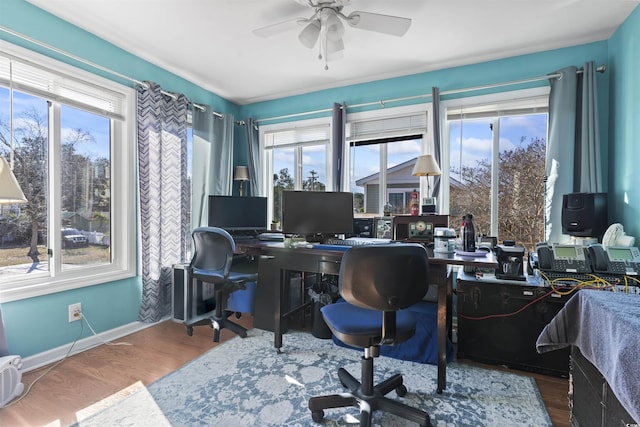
(211,262)
(376,282)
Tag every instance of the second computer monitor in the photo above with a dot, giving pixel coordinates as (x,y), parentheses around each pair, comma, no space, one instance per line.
(234,213)
(317,214)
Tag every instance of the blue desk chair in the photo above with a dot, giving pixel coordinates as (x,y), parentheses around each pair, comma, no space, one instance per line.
(377,282)
(212,262)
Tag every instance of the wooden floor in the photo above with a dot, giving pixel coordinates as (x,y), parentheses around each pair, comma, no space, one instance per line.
(87,382)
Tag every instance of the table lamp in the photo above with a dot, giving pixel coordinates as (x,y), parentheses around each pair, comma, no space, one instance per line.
(10,191)
(426,166)
(241,173)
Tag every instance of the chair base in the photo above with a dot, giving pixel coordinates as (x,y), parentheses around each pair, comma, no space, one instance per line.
(223,322)
(368,398)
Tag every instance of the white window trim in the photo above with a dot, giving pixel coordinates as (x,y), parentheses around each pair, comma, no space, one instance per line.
(123,167)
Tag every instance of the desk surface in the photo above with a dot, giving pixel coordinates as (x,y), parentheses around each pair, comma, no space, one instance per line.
(257,247)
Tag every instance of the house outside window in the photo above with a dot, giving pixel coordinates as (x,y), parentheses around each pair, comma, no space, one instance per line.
(70,139)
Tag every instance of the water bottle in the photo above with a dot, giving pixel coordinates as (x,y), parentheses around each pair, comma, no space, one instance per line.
(468,234)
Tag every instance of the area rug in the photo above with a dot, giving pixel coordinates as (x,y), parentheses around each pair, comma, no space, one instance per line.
(245,382)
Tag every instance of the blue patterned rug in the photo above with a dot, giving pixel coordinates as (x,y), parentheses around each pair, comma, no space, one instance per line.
(244,382)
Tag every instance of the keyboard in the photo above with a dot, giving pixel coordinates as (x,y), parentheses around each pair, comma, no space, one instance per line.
(356,241)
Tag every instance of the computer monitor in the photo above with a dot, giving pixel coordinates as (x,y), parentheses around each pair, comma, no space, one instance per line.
(317,214)
(234,213)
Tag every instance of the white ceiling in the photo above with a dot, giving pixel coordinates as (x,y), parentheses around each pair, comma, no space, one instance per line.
(210,42)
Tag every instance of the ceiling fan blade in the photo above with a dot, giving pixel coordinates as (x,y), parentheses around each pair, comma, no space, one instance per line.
(279,28)
(387,24)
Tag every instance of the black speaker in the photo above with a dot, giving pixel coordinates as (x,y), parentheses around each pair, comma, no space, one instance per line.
(584,214)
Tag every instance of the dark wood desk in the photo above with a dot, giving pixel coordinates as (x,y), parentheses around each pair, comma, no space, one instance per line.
(276,261)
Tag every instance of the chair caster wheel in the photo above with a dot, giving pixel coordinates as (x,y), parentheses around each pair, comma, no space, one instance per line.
(190,331)
(401,391)
(317,416)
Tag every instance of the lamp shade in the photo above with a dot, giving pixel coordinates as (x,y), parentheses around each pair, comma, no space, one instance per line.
(426,166)
(309,35)
(241,173)
(10,191)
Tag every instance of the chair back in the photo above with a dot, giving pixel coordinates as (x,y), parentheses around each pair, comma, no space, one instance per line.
(384,277)
(213,249)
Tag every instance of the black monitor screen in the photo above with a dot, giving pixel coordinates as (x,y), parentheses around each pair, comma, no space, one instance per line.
(317,212)
(238,213)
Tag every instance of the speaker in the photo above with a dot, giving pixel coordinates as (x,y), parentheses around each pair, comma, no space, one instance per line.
(584,214)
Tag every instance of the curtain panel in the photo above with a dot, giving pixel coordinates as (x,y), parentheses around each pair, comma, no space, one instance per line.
(211,168)
(574,156)
(253,155)
(162,180)
(338,127)
(437,150)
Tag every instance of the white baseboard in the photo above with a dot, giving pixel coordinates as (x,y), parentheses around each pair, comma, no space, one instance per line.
(50,356)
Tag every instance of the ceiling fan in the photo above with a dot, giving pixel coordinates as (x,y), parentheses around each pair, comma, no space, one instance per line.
(326,26)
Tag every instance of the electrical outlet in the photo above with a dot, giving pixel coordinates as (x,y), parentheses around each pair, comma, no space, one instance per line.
(75,312)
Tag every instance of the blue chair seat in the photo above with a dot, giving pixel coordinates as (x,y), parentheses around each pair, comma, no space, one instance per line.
(362,327)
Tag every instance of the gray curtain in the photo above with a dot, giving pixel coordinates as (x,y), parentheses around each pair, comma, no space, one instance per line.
(589,171)
(437,154)
(574,162)
(162,180)
(338,123)
(253,157)
(212,161)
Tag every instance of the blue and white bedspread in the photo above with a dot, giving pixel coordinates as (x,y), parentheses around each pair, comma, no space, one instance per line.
(605,326)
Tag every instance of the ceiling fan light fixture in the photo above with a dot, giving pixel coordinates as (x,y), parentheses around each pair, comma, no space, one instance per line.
(335,27)
(335,48)
(309,34)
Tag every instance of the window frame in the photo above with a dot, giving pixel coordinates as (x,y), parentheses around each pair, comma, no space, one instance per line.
(378,114)
(493,100)
(123,188)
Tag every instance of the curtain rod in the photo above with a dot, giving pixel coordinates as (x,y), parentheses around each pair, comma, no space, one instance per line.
(381,103)
(97,66)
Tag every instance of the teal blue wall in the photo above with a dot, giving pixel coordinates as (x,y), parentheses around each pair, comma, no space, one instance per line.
(38,324)
(505,70)
(624,132)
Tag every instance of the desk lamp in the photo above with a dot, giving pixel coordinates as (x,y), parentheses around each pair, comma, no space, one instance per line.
(426,166)
(241,173)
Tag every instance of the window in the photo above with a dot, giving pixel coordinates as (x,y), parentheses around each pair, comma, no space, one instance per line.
(296,158)
(382,147)
(69,136)
(496,151)
(382,152)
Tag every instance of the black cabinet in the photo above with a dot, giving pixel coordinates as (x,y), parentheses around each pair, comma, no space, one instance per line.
(499,322)
(592,401)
